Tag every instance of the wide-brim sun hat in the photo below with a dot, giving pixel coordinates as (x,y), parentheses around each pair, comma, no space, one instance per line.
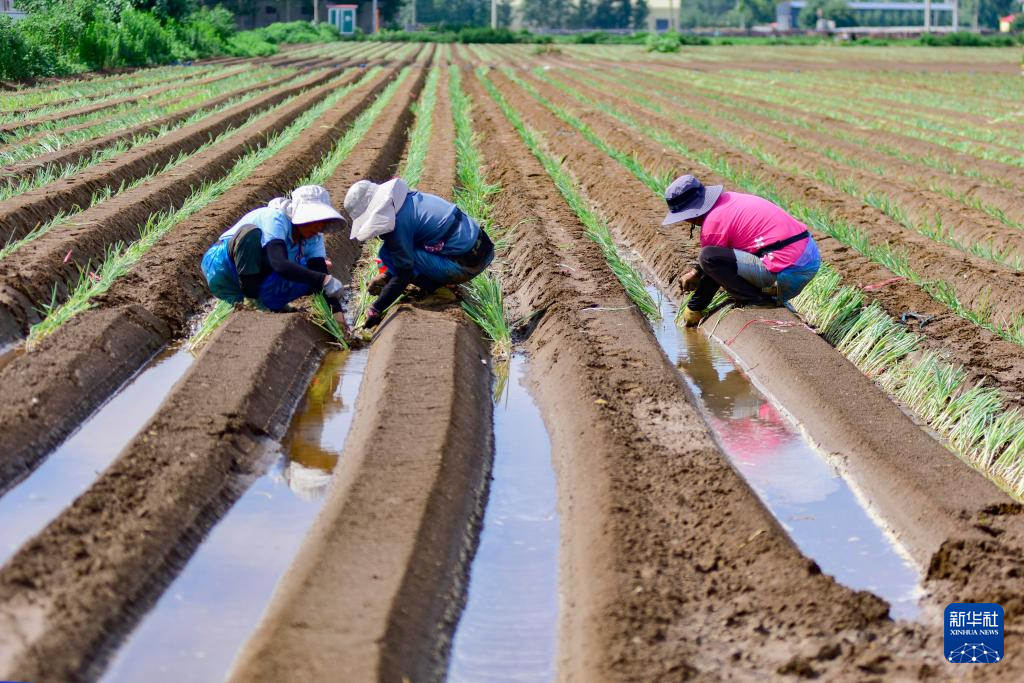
(373,207)
(689,198)
(312,203)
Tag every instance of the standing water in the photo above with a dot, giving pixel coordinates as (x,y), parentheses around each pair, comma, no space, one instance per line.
(76,463)
(805,493)
(508,630)
(197,627)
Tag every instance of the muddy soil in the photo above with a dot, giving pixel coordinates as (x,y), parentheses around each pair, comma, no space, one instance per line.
(913,177)
(977,282)
(439,168)
(64,379)
(49,267)
(122,89)
(381,577)
(657,526)
(77,151)
(7,129)
(916,489)
(982,352)
(936,516)
(66,594)
(22,213)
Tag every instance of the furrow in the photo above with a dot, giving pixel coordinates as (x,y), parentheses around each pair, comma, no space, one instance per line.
(20,214)
(656,524)
(47,268)
(71,372)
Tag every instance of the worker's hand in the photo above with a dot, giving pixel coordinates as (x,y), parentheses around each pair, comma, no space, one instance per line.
(339,317)
(691,280)
(372,319)
(333,287)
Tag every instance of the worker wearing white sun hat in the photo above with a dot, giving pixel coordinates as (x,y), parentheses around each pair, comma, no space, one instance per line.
(275,254)
(427,241)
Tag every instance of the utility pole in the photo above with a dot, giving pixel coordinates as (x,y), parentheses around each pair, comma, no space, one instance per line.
(927,16)
(412,20)
(672,25)
(494,14)
(316,11)
(374,10)
(956,15)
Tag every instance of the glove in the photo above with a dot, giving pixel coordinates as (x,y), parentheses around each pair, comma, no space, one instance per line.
(332,287)
(372,319)
(692,317)
(691,280)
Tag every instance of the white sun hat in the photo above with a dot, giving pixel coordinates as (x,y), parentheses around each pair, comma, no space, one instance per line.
(373,207)
(311,203)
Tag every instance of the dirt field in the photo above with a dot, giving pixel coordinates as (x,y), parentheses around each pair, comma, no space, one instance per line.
(900,367)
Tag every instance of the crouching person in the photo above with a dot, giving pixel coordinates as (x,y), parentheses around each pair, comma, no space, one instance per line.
(275,254)
(427,241)
(751,248)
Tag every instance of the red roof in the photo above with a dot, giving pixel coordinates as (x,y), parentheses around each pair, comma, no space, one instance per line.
(1008,18)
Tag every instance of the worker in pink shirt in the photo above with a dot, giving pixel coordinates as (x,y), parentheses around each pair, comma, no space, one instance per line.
(750,247)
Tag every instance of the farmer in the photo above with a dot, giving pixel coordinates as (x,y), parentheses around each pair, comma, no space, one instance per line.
(275,254)
(750,247)
(427,241)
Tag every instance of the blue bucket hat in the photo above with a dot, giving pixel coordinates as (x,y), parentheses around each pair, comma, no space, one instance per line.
(688,198)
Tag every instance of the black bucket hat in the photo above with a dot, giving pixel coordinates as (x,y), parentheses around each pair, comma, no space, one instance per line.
(688,198)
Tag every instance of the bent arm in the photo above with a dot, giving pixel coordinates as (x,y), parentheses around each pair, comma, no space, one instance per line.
(277,256)
(400,245)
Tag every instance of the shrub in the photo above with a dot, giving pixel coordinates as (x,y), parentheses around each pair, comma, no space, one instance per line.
(142,40)
(591,38)
(250,44)
(690,39)
(966,39)
(18,58)
(206,31)
(291,32)
(327,33)
(490,35)
(666,42)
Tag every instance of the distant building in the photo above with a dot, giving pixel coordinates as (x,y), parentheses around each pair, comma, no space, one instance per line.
(7,7)
(250,14)
(1006,23)
(663,15)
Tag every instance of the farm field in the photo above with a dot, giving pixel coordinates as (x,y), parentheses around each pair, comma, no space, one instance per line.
(551,478)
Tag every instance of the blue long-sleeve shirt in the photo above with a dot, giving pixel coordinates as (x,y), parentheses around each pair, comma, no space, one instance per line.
(423,222)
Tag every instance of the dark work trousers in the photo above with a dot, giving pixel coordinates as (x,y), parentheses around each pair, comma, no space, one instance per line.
(720,270)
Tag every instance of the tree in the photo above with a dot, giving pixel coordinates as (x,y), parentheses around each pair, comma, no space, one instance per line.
(582,15)
(640,13)
(834,10)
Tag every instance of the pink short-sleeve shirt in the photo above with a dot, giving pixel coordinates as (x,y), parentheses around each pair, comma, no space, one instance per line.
(748,222)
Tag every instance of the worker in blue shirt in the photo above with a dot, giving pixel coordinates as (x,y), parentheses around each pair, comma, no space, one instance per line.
(427,241)
(275,254)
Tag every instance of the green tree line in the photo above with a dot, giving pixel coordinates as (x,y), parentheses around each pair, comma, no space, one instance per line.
(61,37)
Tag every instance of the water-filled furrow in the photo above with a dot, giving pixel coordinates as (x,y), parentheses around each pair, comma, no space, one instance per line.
(820,511)
(198,625)
(508,630)
(74,465)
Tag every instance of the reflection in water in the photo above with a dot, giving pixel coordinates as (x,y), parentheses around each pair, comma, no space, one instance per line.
(810,499)
(508,631)
(76,463)
(203,618)
(311,457)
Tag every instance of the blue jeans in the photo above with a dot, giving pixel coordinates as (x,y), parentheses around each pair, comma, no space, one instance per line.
(789,281)
(275,292)
(431,271)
